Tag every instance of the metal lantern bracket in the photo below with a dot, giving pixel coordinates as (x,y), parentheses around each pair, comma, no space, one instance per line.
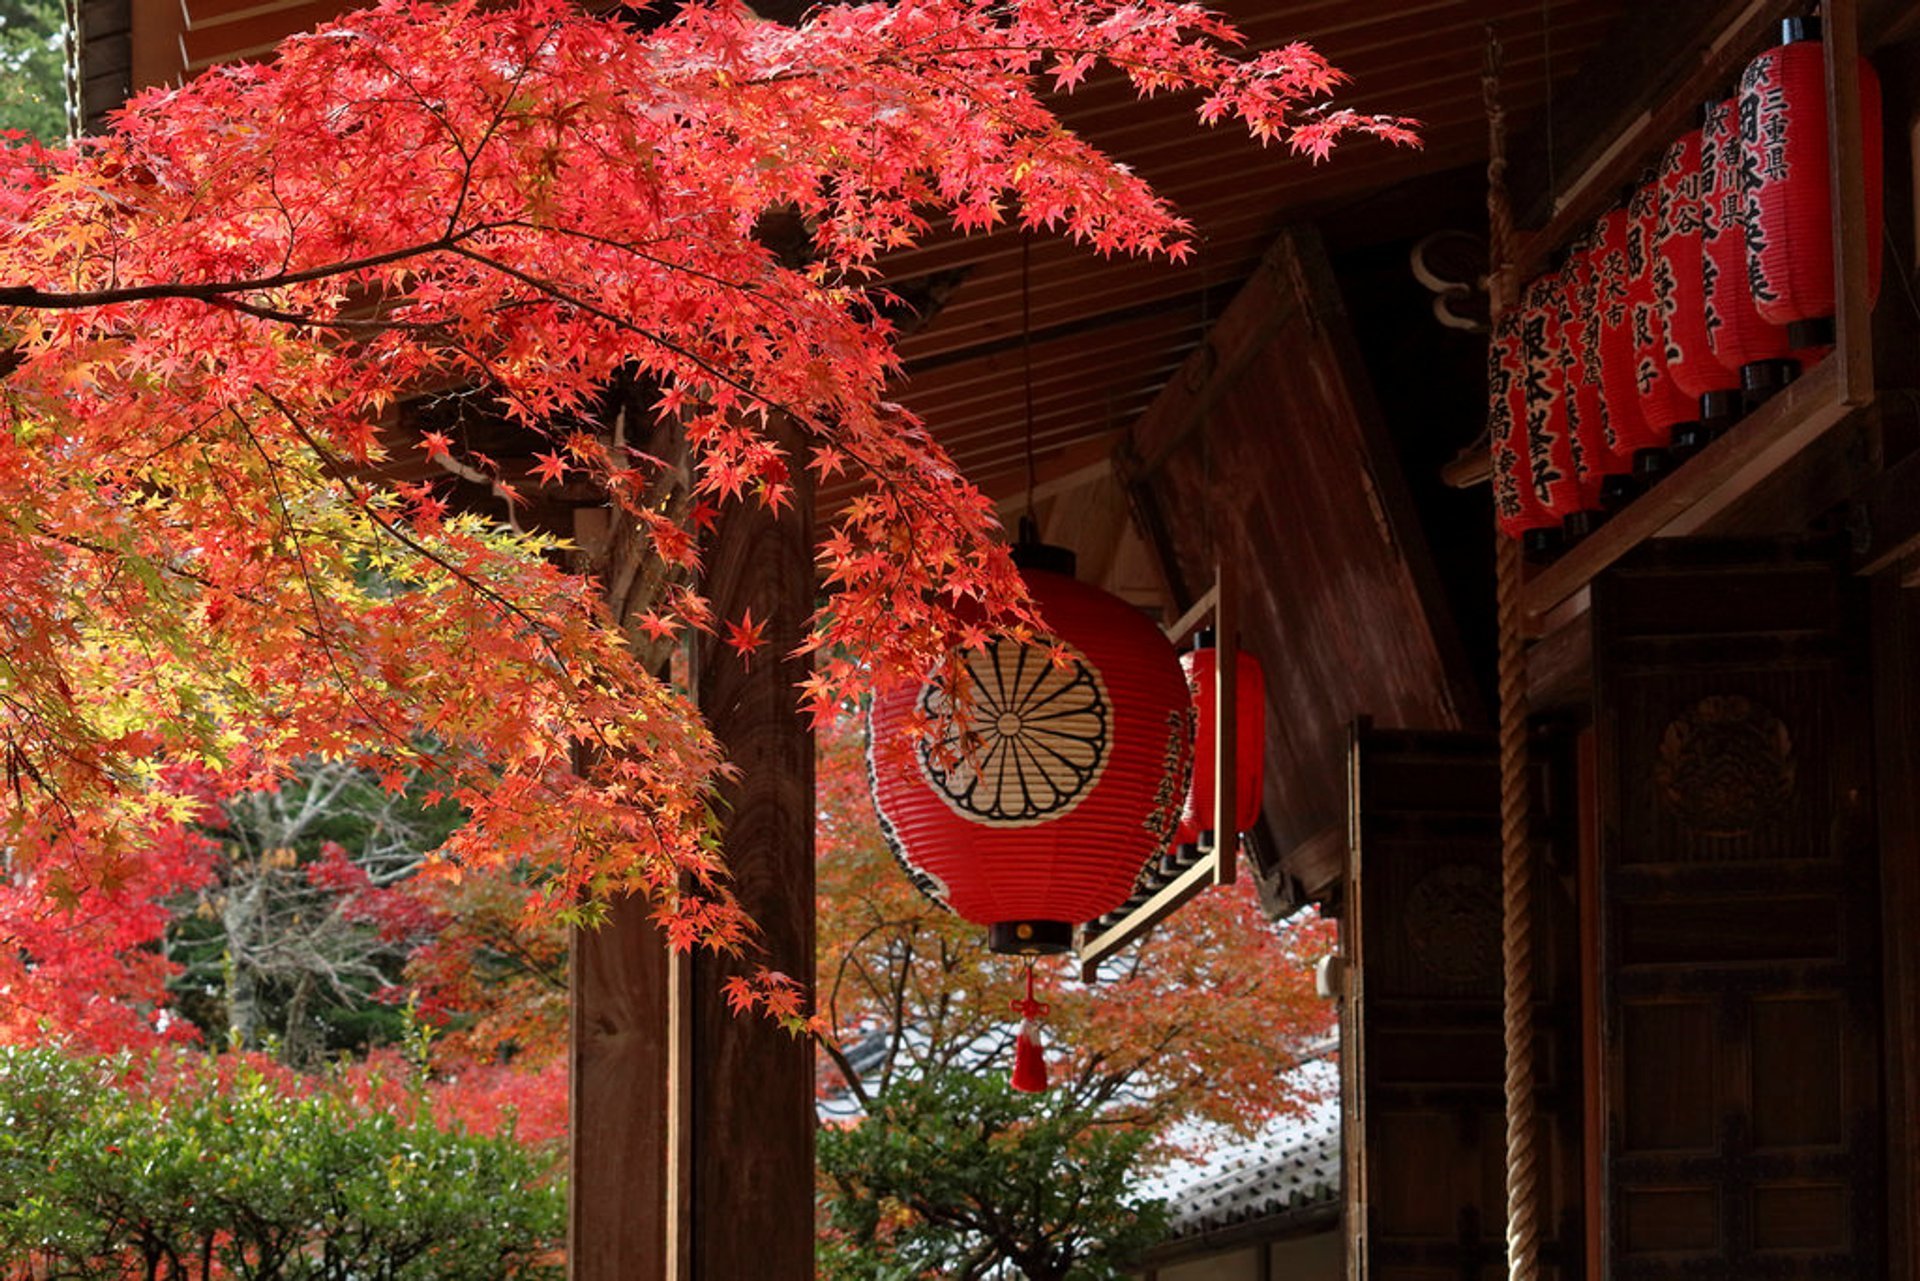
(1220,864)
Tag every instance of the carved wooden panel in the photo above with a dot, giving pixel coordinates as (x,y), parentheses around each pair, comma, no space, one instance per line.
(1740,1009)
(1423,1050)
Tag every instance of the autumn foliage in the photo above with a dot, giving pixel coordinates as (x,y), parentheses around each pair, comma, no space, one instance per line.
(213,318)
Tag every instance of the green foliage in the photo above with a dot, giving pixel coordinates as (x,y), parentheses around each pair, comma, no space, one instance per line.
(955,1175)
(33,90)
(200,1168)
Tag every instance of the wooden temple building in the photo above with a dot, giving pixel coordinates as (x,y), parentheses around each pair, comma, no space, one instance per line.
(1716,824)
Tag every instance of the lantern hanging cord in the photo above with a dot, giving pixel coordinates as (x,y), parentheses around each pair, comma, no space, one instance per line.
(1026,361)
(1516,870)
(1028,1007)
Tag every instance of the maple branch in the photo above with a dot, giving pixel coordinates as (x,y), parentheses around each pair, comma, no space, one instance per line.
(846,1068)
(33,298)
(363,500)
(628,326)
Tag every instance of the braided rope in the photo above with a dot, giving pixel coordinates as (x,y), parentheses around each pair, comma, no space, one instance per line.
(1516,870)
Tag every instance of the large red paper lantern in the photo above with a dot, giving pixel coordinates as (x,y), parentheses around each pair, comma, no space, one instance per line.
(1739,337)
(1516,506)
(1556,468)
(1787,187)
(1202,666)
(1035,807)
(1679,279)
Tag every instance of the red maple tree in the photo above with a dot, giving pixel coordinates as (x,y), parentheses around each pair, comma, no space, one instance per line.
(209,315)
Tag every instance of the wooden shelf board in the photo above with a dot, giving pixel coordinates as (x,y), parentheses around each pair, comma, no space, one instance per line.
(1165,900)
(1688,501)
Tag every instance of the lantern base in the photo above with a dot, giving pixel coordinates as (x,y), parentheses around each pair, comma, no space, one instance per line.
(1651,465)
(1540,545)
(1761,379)
(1719,410)
(1582,523)
(1030,938)
(1617,491)
(1815,334)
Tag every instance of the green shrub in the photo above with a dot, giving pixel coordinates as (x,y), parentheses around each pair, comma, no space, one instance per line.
(196,1167)
(956,1176)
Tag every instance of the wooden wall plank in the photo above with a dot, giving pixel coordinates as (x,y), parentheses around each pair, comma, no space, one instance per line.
(1263,451)
(1422,1024)
(1896,682)
(1741,1009)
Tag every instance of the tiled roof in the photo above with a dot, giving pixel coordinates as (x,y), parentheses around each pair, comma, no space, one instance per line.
(1292,1164)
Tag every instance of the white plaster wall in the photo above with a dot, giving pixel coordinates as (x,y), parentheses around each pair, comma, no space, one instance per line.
(1314,1258)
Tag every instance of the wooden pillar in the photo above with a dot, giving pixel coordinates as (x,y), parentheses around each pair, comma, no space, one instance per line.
(752,1119)
(692,1130)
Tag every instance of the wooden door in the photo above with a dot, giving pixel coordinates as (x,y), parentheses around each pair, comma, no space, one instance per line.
(1739,935)
(1423,1056)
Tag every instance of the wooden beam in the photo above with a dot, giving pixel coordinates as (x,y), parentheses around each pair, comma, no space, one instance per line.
(629,1102)
(1853,346)
(1663,71)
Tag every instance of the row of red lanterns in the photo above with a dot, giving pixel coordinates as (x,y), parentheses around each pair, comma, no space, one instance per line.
(1708,290)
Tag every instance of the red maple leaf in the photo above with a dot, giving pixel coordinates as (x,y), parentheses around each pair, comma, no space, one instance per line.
(746,635)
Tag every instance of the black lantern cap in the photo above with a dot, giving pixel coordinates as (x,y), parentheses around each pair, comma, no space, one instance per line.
(1030,553)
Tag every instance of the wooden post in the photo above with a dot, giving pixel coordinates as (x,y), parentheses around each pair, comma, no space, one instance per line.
(692,1130)
(626,1207)
(752,1119)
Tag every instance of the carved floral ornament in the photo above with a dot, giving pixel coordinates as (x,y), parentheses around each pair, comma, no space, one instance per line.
(1726,766)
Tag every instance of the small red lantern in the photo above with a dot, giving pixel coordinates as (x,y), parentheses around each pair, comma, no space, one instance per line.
(1613,299)
(1033,806)
(1679,278)
(1664,408)
(1601,453)
(1787,186)
(1515,503)
(1739,337)
(1555,460)
(1202,666)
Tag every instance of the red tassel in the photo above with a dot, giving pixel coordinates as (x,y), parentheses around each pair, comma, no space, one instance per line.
(1029,1061)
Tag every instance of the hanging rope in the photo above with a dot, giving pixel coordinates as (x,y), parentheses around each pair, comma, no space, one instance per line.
(1516,864)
